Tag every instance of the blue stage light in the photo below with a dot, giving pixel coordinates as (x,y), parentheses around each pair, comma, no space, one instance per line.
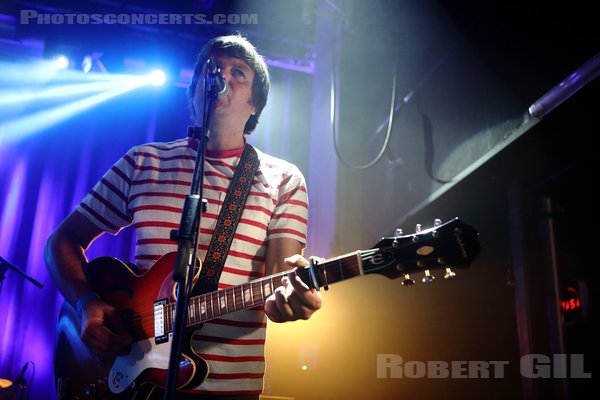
(157,77)
(61,62)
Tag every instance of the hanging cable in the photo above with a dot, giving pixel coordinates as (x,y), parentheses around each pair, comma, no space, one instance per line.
(333,114)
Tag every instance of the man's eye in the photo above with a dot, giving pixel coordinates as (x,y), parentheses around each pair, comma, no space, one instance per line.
(238,73)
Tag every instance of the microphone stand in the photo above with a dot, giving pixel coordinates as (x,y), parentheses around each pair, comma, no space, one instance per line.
(187,238)
(5,266)
(21,383)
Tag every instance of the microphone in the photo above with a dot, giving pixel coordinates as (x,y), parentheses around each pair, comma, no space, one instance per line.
(216,84)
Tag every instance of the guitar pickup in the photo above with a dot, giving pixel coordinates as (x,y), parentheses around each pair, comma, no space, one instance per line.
(160,332)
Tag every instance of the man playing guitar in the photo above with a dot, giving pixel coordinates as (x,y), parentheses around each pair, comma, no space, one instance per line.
(145,190)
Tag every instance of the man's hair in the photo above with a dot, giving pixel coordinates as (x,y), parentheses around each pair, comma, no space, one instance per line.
(239,47)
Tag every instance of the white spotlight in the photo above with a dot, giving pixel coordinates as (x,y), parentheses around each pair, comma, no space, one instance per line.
(157,77)
(61,62)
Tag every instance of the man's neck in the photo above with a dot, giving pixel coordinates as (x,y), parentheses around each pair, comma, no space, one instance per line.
(225,136)
(225,139)
(219,142)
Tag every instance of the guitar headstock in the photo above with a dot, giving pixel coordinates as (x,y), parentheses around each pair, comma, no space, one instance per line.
(453,244)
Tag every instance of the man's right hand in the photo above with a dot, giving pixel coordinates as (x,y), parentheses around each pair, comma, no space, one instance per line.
(103,329)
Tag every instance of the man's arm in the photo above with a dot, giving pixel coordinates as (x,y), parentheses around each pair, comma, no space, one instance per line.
(101,327)
(65,255)
(293,299)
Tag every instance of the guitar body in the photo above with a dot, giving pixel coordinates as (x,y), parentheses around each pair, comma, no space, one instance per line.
(79,374)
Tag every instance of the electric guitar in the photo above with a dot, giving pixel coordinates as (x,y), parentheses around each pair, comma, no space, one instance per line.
(147,305)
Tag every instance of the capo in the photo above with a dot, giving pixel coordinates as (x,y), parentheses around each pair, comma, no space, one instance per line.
(313,275)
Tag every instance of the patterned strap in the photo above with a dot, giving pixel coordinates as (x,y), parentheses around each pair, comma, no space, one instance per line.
(231,211)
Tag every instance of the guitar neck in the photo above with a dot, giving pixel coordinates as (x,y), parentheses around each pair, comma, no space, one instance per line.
(451,245)
(208,306)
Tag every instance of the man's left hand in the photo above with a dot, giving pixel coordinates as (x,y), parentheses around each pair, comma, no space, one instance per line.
(292,300)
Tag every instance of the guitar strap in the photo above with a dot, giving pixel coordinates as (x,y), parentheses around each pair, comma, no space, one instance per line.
(230,214)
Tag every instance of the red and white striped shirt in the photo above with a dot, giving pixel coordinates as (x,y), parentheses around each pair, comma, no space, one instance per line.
(146,188)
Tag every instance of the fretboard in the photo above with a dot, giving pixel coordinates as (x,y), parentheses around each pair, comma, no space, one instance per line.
(208,306)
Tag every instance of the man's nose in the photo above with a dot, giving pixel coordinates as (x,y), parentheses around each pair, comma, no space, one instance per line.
(226,72)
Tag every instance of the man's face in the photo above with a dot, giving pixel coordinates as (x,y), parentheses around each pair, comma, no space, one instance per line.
(235,107)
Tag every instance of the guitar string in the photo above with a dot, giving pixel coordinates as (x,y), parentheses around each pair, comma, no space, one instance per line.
(210,296)
(214,297)
(148,316)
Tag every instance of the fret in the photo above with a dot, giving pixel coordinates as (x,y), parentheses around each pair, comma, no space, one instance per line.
(256,291)
(239,297)
(226,301)
(251,298)
(191,312)
(267,288)
(333,273)
(209,306)
(359,263)
(355,268)
(262,294)
(222,303)
(203,315)
(216,298)
(200,308)
(214,303)
(246,294)
(231,299)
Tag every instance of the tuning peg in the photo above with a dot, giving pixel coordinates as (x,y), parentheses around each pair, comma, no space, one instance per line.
(449,274)
(436,223)
(407,281)
(397,235)
(418,229)
(428,278)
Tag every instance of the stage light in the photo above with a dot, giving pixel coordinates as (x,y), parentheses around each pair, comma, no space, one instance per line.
(52,95)
(157,77)
(61,62)
(86,64)
(38,121)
